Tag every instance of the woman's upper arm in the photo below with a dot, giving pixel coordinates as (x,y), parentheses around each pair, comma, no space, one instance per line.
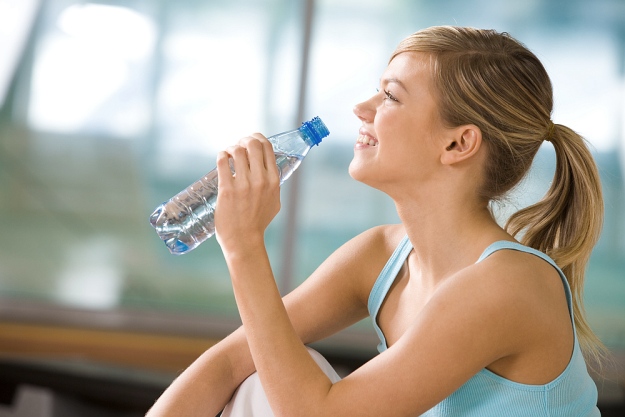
(335,295)
(331,299)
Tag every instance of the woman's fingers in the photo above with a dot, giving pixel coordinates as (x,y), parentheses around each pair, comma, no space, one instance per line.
(249,199)
(254,164)
(239,155)
(261,158)
(256,156)
(269,157)
(223,167)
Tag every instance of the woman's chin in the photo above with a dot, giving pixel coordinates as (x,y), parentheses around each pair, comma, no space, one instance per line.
(353,170)
(357,171)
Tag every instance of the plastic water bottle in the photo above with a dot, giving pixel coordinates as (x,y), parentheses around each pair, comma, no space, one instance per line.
(187,219)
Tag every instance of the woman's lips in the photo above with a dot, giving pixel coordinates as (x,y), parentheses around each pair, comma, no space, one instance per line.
(367,140)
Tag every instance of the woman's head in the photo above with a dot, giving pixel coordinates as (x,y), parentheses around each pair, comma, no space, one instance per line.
(492,81)
(488,79)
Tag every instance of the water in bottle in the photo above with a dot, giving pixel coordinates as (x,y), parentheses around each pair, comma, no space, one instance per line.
(187,219)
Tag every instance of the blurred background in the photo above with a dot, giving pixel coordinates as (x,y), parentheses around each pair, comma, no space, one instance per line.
(108,108)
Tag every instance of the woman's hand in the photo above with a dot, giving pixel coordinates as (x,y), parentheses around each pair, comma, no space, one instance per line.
(248,200)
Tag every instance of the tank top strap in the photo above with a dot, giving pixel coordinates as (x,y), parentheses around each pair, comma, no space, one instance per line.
(504,244)
(383,284)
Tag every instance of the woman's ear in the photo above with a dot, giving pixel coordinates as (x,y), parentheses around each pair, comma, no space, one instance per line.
(465,141)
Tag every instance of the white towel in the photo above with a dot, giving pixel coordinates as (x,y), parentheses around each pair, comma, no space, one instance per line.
(249,400)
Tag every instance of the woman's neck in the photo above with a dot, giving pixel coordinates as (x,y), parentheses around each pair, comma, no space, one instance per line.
(448,236)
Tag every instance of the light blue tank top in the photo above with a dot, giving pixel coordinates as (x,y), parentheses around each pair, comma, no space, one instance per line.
(572,394)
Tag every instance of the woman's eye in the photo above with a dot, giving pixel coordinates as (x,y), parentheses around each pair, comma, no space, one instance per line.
(389,95)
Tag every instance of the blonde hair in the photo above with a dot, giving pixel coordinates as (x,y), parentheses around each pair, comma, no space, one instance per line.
(491,80)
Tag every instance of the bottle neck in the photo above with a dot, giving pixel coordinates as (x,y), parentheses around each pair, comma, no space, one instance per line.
(294,142)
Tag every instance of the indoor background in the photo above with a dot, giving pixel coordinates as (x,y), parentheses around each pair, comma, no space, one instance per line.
(109,108)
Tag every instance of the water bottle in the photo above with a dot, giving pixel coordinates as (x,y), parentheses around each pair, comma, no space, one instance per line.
(187,219)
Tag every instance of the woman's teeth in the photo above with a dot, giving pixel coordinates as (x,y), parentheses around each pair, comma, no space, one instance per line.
(367,140)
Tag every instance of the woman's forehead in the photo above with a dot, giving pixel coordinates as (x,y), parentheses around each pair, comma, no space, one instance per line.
(408,70)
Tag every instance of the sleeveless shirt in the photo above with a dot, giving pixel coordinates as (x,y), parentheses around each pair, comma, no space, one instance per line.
(572,394)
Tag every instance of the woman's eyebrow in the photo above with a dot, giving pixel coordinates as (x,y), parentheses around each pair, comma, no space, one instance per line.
(397,81)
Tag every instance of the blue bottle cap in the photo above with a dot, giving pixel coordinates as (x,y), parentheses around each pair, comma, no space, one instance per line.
(315,130)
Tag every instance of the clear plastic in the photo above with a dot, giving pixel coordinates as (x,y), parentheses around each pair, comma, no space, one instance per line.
(187,219)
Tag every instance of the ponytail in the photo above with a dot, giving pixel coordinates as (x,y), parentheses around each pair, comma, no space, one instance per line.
(567,222)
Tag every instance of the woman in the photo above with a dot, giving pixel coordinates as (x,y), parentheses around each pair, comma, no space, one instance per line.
(471,322)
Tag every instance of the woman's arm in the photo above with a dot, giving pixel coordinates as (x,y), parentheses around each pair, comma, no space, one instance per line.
(331,299)
(205,387)
(473,319)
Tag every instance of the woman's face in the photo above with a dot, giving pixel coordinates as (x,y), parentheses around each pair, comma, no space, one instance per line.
(401,134)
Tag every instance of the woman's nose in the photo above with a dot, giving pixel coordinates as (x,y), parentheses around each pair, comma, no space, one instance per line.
(365,111)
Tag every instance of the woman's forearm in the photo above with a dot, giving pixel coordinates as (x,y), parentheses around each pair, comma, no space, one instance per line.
(206,386)
(291,379)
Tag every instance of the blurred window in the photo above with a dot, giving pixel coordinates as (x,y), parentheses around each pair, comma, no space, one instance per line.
(119,105)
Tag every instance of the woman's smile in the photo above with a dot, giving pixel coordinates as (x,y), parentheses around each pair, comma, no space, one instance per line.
(365,140)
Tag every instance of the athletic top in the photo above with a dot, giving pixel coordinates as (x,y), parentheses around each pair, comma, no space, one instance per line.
(572,394)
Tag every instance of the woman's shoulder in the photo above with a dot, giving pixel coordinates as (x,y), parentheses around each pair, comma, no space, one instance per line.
(361,256)
(515,264)
(380,241)
(367,253)
(523,299)
(514,284)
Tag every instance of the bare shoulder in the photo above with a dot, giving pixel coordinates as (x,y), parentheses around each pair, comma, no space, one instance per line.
(362,258)
(512,278)
(377,244)
(371,247)
(516,300)
(384,237)
(516,274)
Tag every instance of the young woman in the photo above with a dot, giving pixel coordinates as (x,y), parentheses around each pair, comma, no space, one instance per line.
(471,322)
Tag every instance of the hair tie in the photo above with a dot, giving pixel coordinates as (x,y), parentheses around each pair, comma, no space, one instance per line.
(551,131)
